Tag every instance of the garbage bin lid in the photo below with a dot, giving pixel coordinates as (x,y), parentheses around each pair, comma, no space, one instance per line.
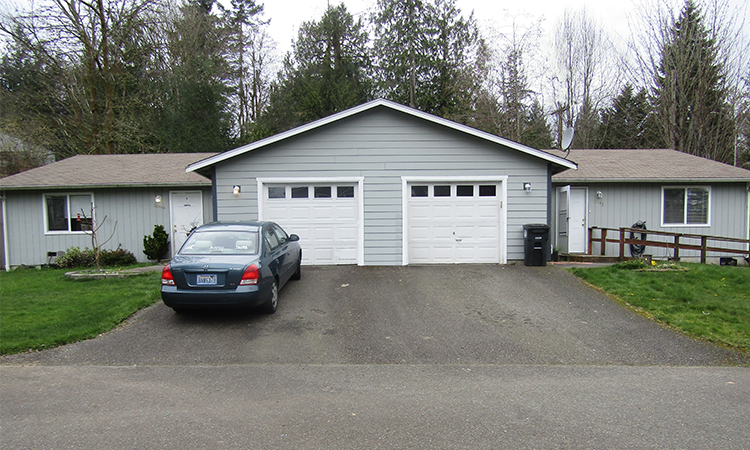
(531,226)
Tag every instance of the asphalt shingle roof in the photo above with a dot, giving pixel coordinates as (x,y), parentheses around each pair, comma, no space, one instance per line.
(650,165)
(153,169)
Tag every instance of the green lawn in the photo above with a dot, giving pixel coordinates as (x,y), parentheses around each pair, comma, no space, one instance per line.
(704,301)
(41,309)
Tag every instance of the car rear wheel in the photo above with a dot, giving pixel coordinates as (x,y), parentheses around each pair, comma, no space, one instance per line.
(273,303)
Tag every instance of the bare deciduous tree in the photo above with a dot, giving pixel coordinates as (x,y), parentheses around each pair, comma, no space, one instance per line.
(585,63)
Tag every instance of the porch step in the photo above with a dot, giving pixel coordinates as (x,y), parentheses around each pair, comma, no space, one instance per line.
(577,257)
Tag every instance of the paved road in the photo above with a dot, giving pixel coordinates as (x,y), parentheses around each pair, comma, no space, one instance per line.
(362,357)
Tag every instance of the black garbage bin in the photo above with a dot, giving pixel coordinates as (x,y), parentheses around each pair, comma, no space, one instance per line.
(536,244)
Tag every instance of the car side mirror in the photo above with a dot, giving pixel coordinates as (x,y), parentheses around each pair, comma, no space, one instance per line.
(293,237)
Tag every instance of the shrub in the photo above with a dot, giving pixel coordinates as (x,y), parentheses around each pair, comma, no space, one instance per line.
(119,257)
(75,257)
(156,246)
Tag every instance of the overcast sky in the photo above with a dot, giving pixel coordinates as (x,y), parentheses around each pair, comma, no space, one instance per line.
(287,15)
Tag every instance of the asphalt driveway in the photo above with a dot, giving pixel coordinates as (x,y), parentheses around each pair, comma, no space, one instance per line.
(445,315)
(450,357)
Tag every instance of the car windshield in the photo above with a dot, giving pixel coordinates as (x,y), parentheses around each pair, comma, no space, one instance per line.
(226,242)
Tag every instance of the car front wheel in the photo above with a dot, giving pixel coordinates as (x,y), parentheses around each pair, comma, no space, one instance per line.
(273,303)
(298,273)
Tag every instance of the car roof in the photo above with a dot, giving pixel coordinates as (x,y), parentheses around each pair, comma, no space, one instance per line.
(232,225)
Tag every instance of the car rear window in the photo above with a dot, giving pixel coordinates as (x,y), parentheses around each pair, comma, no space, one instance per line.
(221,242)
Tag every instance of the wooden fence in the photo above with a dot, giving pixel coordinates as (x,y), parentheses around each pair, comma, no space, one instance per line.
(707,243)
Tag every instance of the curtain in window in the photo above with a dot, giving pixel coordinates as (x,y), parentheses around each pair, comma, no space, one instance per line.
(697,201)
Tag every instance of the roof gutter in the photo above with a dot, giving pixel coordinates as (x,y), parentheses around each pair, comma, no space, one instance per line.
(649,180)
(101,186)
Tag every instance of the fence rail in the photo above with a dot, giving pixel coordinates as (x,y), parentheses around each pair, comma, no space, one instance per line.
(706,242)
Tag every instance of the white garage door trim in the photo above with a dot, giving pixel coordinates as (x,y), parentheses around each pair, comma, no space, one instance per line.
(359,188)
(502,197)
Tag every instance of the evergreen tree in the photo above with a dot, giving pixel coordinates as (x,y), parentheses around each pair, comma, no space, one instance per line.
(425,53)
(326,72)
(690,95)
(195,115)
(629,122)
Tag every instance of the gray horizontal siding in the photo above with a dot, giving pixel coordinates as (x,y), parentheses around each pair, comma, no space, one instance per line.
(623,204)
(383,146)
(132,210)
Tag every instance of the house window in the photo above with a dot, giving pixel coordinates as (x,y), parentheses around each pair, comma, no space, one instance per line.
(684,206)
(68,212)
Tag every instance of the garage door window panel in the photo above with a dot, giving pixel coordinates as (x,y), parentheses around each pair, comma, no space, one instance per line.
(442,190)
(487,190)
(300,192)
(276,192)
(322,191)
(345,192)
(420,191)
(464,190)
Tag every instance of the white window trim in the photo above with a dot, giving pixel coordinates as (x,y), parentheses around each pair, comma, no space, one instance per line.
(502,197)
(67,195)
(359,183)
(687,225)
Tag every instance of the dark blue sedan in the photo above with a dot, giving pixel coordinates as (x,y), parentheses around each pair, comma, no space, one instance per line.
(232,264)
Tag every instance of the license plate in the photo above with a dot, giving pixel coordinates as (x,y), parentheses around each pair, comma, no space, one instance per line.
(204,280)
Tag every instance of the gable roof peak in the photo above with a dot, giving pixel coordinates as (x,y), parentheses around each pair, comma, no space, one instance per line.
(559,162)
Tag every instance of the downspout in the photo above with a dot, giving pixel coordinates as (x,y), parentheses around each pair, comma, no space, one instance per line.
(214,196)
(6,258)
(549,196)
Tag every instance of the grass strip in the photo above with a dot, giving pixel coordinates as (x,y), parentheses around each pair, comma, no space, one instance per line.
(707,302)
(42,308)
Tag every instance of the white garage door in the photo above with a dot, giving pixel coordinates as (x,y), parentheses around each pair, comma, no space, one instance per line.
(454,222)
(324,215)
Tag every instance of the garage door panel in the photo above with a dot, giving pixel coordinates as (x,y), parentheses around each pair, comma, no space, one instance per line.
(453,229)
(328,227)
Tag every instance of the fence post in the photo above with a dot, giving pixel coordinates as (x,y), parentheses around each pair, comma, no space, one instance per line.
(604,240)
(677,247)
(704,244)
(622,244)
(591,239)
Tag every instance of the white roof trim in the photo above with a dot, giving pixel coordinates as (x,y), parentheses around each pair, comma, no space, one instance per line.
(370,105)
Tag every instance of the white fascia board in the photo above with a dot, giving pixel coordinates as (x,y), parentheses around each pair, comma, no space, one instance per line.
(370,105)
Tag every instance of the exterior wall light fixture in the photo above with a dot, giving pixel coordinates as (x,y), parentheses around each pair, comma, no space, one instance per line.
(236,189)
(527,187)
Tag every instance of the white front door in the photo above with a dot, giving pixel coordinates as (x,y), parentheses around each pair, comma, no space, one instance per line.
(577,225)
(186,213)
(563,198)
(454,222)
